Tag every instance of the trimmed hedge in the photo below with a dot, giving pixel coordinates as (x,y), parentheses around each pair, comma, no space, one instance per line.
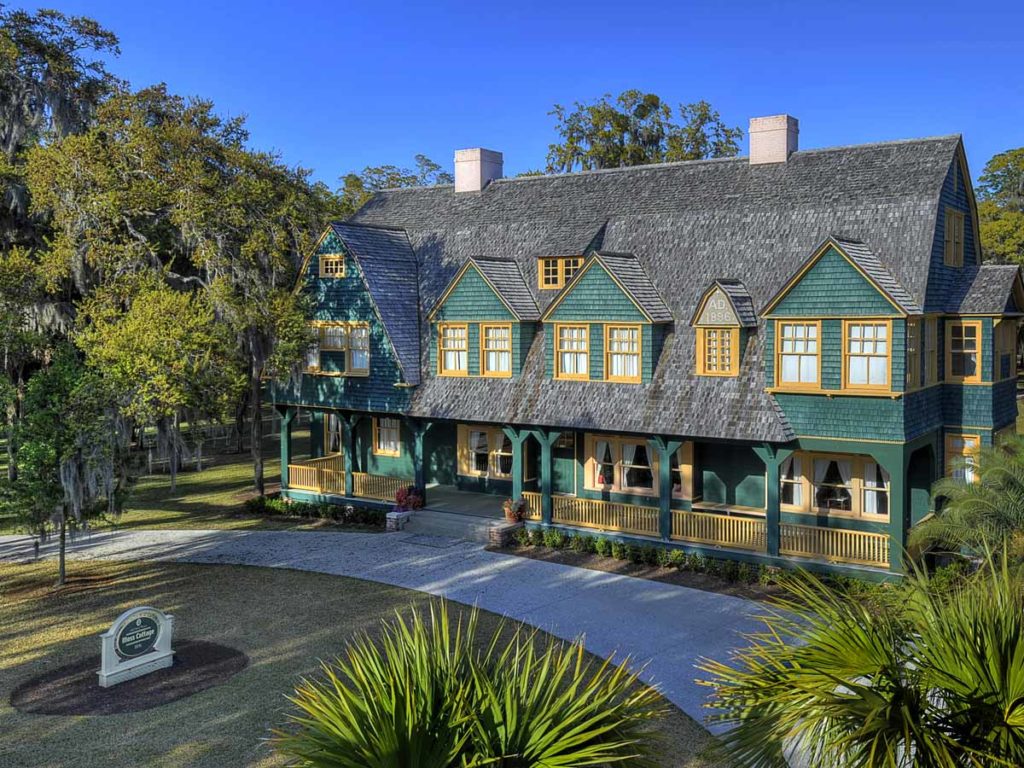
(346,514)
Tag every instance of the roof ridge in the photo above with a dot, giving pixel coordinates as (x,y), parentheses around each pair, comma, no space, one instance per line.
(684,163)
(365,225)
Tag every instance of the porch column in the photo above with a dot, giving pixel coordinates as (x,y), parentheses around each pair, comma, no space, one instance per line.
(664,449)
(772,458)
(547,439)
(317,425)
(349,421)
(287,417)
(418,431)
(518,438)
(895,460)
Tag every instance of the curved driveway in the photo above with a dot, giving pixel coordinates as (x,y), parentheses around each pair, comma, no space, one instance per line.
(667,626)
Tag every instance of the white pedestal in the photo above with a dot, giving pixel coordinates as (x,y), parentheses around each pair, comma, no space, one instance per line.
(137,643)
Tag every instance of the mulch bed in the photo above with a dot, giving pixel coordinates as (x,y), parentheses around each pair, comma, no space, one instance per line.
(75,689)
(595,562)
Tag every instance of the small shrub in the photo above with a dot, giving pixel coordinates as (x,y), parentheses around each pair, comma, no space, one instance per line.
(620,551)
(677,558)
(944,580)
(582,544)
(663,557)
(602,547)
(768,575)
(746,573)
(521,537)
(554,539)
(697,563)
(537,537)
(730,570)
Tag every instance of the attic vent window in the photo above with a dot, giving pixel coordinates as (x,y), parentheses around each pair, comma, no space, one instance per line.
(953,247)
(332,265)
(555,272)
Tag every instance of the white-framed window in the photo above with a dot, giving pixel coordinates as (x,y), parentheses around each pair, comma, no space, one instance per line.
(358,349)
(387,437)
(622,353)
(453,349)
(799,354)
(866,351)
(791,493)
(572,352)
(496,350)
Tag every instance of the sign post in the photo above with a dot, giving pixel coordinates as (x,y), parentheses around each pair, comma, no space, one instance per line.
(137,643)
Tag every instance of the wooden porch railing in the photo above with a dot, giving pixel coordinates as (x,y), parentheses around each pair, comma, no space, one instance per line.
(323,475)
(532,511)
(858,547)
(720,530)
(377,487)
(606,515)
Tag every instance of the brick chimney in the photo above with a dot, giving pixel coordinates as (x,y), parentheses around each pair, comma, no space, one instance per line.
(476,168)
(773,139)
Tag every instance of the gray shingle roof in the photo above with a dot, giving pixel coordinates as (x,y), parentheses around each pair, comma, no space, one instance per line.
(391,274)
(862,255)
(507,279)
(626,269)
(989,290)
(738,296)
(686,224)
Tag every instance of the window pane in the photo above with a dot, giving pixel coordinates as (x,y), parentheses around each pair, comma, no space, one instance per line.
(808,369)
(858,370)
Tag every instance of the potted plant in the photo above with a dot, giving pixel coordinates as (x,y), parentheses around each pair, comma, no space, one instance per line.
(409,498)
(514,509)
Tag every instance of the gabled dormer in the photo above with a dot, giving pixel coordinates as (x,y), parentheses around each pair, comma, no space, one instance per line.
(607,323)
(722,322)
(484,322)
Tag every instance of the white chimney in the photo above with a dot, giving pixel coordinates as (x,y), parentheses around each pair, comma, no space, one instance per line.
(773,139)
(476,168)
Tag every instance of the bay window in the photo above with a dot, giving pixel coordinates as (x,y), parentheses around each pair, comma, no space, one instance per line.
(866,354)
(799,354)
(622,353)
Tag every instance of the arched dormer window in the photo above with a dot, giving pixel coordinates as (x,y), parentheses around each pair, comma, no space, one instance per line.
(721,321)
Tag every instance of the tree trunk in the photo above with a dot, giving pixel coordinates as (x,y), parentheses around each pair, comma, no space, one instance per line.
(13,417)
(256,428)
(61,570)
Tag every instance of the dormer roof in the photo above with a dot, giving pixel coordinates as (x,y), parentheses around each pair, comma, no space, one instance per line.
(629,275)
(740,304)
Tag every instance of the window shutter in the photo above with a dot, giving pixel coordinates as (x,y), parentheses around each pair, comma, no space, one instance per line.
(948,238)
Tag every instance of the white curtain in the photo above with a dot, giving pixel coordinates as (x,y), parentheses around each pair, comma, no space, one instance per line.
(628,453)
(605,463)
(791,471)
(820,470)
(845,471)
(876,482)
(478,442)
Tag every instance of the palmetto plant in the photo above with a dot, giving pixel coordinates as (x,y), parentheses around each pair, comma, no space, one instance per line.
(430,694)
(983,512)
(938,683)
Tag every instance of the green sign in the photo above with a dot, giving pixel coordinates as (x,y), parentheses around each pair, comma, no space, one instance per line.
(137,636)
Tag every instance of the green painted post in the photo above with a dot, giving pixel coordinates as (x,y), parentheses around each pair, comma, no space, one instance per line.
(898,511)
(517,438)
(348,427)
(665,448)
(772,459)
(547,440)
(286,443)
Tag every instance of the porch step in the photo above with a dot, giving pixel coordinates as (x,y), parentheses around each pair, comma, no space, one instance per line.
(428,522)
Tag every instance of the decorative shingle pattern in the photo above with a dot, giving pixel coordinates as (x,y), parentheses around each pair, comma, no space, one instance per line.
(873,268)
(988,290)
(508,281)
(738,295)
(391,273)
(625,268)
(686,224)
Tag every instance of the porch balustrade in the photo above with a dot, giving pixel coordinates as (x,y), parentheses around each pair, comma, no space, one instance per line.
(608,516)
(324,475)
(720,530)
(378,487)
(533,501)
(835,545)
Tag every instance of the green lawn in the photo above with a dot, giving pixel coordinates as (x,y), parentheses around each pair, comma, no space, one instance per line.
(212,498)
(283,620)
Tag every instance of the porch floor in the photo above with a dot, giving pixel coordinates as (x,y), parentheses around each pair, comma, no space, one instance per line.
(448,498)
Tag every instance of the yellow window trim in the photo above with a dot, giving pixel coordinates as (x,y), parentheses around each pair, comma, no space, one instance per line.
(734,350)
(495,439)
(875,388)
(952,455)
(1004,342)
(780,386)
(585,351)
(590,467)
(350,370)
(332,258)
(484,327)
(441,370)
(950,325)
(857,487)
(560,263)
(608,327)
(377,450)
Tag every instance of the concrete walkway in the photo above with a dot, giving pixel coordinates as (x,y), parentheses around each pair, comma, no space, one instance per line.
(668,627)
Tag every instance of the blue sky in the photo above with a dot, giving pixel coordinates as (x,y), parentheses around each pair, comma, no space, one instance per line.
(338,86)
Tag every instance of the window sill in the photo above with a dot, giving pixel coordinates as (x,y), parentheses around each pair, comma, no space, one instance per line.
(835,392)
(711,506)
(817,512)
(646,492)
(454,374)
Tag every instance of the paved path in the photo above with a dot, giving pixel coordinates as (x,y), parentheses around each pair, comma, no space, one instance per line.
(668,626)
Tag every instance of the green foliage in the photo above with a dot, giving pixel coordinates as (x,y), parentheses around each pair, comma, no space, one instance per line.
(603,547)
(424,695)
(537,537)
(976,515)
(357,188)
(344,514)
(637,128)
(620,551)
(521,537)
(581,543)
(555,539)
(1001,207)
(846,684)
